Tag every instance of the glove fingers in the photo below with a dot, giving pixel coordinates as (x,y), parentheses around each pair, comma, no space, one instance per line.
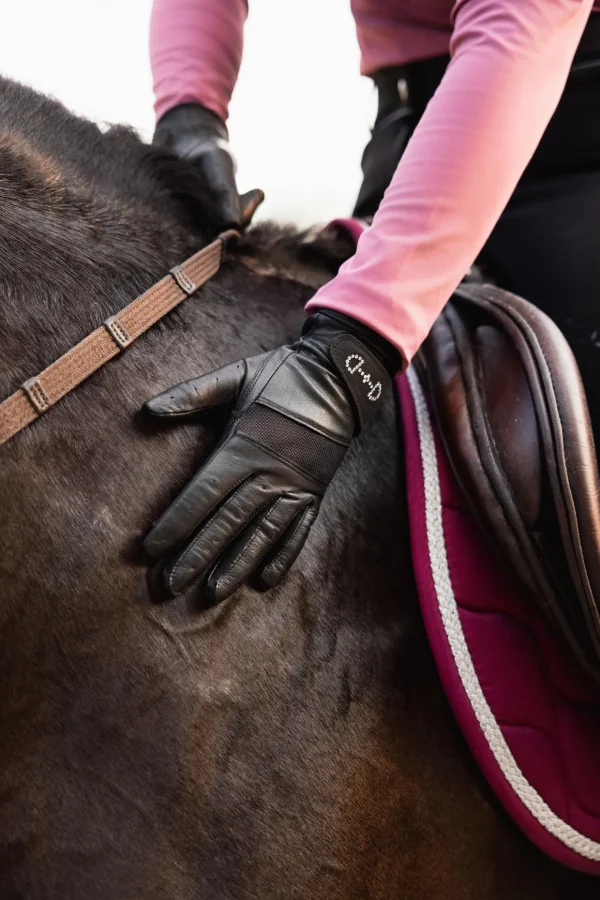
(214,389)
(205,492)
(217,170)
(242,558)
(228,521)
(285,554)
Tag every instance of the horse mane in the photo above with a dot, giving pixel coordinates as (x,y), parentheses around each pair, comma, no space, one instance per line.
(89,220)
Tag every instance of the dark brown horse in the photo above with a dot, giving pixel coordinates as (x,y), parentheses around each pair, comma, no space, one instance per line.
(282,746)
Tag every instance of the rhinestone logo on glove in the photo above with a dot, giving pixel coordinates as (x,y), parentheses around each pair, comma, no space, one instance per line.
(354,364)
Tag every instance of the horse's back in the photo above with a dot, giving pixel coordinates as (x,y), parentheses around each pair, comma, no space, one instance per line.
(282,745)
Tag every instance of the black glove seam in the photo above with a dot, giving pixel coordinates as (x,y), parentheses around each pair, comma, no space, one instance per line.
(253,381)
(301,515)
(180,559)
(286,462)
(235,536)
(182,415)
(236,488)
(198,536)
(246,392)
(264,513)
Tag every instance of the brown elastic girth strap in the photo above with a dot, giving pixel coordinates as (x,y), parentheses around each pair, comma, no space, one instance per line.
(37,395)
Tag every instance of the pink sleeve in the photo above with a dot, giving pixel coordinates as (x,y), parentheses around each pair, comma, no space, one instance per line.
(195,52)
(394,32)
(510,60)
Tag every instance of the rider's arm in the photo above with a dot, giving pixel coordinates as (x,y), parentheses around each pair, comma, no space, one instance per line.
(195,52)
(510,60)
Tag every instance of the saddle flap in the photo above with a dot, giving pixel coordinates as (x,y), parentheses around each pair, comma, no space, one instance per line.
(512,414)
(509,404)
(479,386)
(506,402)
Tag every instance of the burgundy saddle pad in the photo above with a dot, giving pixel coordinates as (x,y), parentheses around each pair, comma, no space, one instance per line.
(529,711)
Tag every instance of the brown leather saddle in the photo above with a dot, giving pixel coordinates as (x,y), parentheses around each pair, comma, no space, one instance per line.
(513,416)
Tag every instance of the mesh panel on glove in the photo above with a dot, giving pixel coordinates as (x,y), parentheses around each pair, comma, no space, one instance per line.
(310,451)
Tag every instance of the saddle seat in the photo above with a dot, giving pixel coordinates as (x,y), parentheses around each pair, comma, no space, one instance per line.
(512,413)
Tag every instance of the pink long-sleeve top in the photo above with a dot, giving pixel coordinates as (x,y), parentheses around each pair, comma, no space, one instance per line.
(509,63)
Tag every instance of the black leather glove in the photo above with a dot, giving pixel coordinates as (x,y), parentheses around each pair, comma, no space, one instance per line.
(393,128)
(295,411)
(403,94)
(197,134)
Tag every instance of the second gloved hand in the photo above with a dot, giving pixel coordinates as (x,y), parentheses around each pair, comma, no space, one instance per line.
(295,411)
(198,135)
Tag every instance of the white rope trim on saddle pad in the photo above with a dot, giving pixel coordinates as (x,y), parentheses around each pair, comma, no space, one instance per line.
(438,559)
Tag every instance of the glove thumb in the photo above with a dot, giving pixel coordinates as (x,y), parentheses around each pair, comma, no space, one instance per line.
(250,203)
(218,388)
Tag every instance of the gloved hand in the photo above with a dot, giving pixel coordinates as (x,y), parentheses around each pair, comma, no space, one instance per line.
(295,411)
(395,123)
(197,134)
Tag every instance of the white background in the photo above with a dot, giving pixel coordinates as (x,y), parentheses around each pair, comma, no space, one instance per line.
(300,114)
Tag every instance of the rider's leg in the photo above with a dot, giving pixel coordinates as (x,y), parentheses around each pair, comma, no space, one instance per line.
(403,93)
(546,246)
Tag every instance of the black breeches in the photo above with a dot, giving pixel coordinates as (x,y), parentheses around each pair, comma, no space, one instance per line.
(546,248)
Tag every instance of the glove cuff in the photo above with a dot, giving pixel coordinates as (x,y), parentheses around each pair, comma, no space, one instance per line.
(365,362)
(185,119)
(387,355)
